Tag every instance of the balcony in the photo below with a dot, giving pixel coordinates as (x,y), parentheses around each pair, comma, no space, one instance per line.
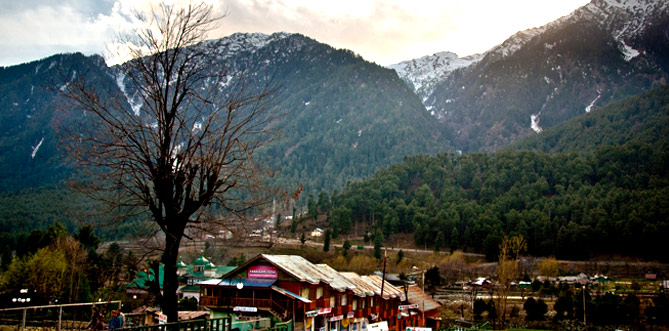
(346,309)
(277,306)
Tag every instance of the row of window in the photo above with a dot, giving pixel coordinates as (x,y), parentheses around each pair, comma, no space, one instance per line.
(305,291)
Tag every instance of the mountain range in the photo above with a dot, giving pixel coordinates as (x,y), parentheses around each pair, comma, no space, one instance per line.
(604,51)
(348,117)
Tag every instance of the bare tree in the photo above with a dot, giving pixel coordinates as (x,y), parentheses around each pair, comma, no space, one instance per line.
(186,140)
(507,270)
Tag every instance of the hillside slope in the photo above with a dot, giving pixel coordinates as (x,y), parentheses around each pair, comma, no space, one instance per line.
(538,78)
(640,119)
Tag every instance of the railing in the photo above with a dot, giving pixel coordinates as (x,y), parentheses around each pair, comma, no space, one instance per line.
(54,316)
(285,326)
(279,306)
(217,324)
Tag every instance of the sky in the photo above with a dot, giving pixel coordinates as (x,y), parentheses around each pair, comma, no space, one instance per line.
(381,31)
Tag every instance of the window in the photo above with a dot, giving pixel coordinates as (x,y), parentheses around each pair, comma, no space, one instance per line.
(333,301)
(319,292)
(344,299)
(304,292)
(364,303)
(355,304)
(371,302)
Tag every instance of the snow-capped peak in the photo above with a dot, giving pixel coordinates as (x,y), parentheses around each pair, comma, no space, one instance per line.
(243,42)
(423,73)
(624,18)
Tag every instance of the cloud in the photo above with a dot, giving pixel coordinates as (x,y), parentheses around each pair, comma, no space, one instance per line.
(41,30)
(389,31)
(385,31)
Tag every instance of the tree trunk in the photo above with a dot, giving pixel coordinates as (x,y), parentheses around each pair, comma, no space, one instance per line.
(169,302)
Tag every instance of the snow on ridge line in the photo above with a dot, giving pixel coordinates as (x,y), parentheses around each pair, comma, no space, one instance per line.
(424,72)
(34,152)
(241,41)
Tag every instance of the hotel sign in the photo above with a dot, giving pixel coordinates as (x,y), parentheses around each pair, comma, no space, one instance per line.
(407,307)
(312,313)
(262,271)
(323,311)
(337,318)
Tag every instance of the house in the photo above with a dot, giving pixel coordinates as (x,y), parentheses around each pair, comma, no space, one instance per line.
(201,269)
(426,311)
(315,297)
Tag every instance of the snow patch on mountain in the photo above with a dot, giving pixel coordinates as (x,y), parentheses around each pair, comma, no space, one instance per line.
(592,104)
(534,123)
(628,52)
(35,148)
(425,72)
(134,101)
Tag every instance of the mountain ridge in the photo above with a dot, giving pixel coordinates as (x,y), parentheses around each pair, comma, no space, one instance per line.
(338,101)
(602,52)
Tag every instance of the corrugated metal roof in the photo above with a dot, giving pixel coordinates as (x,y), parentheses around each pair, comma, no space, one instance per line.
(298,267)
(335,279)
(389,291)
(305,271)
(416,295)
(362,288)
(290,294)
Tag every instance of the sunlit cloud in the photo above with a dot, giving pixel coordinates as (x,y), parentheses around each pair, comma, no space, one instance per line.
(383,31)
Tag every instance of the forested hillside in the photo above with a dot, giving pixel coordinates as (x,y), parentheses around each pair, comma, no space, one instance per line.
(345,119)
(643,119)
(614,201)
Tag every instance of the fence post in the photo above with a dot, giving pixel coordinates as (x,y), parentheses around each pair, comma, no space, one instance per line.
(23,323)
(60,316)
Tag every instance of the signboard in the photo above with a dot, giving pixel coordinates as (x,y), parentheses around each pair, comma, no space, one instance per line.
(245,309)
(407,307)
(312,313)
(411,328)
(350,314)
(323,311)
(262,271)
(162,318)
(380,326)
(337,318)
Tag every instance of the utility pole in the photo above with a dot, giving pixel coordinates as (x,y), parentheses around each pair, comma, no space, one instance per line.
(423,281)
(584,322)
